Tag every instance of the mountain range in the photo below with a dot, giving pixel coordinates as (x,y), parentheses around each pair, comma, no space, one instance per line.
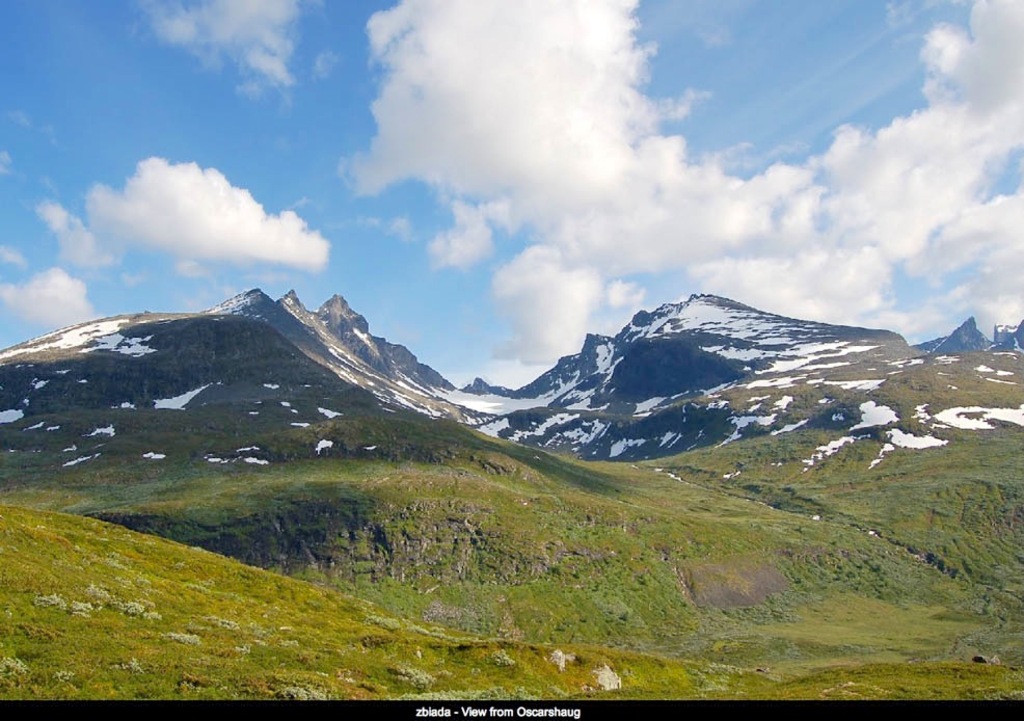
(671,379)
(786,484)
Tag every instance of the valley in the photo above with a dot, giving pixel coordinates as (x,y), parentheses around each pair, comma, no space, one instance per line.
(716,503)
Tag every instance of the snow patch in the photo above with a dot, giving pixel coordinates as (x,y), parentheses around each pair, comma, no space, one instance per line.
(907,440)
(117,343)
(104,431)
(742,422)
(37,426)
(669,438)
(178,403)
(70,338)
(958,417)
(581,436)
(328,412)
(300,425)
(256,461)
(886,448)
(11,415)
(494,427)
(619,447)
(790,427)
(645,407)
(784,382)
(81,459)
(864,385)
(830,448)
(873,414)
(154,456)
(271,386)
(559,419)
(323,445)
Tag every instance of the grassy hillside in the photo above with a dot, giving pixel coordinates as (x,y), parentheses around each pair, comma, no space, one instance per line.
(864,573)
(93,610)
(445,526)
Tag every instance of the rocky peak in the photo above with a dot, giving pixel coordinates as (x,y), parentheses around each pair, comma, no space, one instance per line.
(250,303)
(965,338)
(339,317)
(291,298)
(481,387)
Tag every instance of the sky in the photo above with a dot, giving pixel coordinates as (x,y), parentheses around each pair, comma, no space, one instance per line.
(488,181)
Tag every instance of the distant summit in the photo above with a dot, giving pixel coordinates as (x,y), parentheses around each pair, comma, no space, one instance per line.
(964,339)
(339,338)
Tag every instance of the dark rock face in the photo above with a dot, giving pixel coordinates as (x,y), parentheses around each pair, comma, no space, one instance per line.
(1008,337)
(185,353)
(964,339)
(481,387)
(669,366)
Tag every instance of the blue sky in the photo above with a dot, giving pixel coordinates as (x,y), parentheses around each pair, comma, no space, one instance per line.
(488,181)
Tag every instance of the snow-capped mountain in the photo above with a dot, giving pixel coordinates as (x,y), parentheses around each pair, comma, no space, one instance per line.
(339,338)
(681,349)
(1008,337)
(156,361)
(703,372)
(707,371)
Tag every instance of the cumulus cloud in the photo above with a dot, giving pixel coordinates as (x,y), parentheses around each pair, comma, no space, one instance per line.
(471,239)
(51,298)
(256,35)
(192,213)
(12,257)
(77,243)
(545,302)
(539,107)
(197,215)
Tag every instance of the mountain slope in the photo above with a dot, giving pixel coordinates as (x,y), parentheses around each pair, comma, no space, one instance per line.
(825,489)
(665,381)
(964,339)
(98,612)
(338,338)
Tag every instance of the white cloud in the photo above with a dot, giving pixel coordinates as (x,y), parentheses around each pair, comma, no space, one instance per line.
(51,298)
(538,107)
(13,257)
(196,215)
(621,294)
(324,64)
(401,228)
(257,35)
(5,162)
(77,244)
(545,302)
(471,239)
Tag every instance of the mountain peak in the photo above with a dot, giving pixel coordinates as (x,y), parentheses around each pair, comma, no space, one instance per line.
(292,298)
(338,315)
(965,338)
(236,305)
